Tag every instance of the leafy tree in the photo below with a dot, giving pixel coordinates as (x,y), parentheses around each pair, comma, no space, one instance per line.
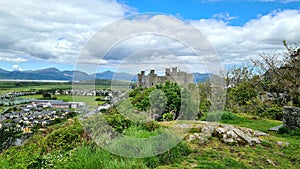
(280,75)
(46,95)
(204,101)
(165,98)
(8,136)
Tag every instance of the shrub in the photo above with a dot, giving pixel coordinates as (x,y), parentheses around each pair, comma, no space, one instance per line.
(65,138)
(118,122)
(214,116)
(151,126)
(295,132)
(167,116)
(283,130)
(228,116)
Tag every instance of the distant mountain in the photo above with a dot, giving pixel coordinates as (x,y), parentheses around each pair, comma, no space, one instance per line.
(55,74)
(201,77)
(115,76)
(3,71)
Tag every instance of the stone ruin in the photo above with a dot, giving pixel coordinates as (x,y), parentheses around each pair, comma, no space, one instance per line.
(174,75)
(291,117)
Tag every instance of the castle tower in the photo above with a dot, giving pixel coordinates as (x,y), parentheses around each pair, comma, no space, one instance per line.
(168,72)
(140,78)
(152,77)
(174,71)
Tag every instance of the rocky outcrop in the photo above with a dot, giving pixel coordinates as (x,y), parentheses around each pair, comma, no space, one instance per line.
(291,117)
(227,133)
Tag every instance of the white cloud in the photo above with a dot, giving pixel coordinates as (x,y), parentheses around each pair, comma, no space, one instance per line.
(236,44)
(17,67)
(288,1)
(147,42)
(54,30)
(225,16)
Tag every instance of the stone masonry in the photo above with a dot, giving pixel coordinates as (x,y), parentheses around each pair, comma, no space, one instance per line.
(175,75)
(291,117)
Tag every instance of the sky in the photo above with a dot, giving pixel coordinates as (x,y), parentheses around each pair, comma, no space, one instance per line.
(121,35)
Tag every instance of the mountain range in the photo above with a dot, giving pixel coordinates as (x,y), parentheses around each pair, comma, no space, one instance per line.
(67,75)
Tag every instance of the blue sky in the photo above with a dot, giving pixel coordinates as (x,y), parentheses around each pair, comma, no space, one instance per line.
(36,35)
(242,10)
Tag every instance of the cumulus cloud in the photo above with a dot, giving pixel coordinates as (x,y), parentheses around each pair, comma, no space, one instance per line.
(236,44)
(57,31)
(17,67)
(151,41)
(54,30)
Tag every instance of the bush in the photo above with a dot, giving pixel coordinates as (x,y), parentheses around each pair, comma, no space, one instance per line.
(65,138)
(214,116)
(151,126)
(118,122)
(283,130)
(295,132)
(167,116)
(228,116)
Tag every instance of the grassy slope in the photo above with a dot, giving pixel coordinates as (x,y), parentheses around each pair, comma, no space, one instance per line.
(51,148)
(215,154)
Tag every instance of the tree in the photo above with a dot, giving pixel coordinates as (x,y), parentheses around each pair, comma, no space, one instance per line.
(280,75)
(8,136)
(46,96)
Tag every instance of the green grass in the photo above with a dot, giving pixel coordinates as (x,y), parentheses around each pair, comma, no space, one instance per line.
(253,122)
(90,100)
(66,146)
(35,88)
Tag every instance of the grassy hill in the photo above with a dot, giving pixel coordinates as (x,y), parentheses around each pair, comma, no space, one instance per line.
(67,145)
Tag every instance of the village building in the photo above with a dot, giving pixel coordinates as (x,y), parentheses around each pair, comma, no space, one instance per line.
(59,104)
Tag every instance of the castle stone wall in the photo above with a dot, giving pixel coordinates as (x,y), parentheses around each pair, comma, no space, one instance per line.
(174,76)
(291,117)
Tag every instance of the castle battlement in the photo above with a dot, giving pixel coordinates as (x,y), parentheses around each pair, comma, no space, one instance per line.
(175,75)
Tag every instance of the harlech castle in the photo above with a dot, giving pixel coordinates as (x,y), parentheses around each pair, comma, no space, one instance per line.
(175,75)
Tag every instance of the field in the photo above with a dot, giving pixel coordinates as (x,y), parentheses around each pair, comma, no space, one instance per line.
(90,100)
(6,87)
(14,86)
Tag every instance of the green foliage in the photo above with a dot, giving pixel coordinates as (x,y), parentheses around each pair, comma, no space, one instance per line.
(117,121)
(228,116)
(95,158)
(46,96)
(57,138)
(220,116)
(135,92)
(152,162)
(204,105)
(151,126)
(242,93)
(163,99)
(167,116)
(65,138)
(268,110)
(295,132)
(8,136)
